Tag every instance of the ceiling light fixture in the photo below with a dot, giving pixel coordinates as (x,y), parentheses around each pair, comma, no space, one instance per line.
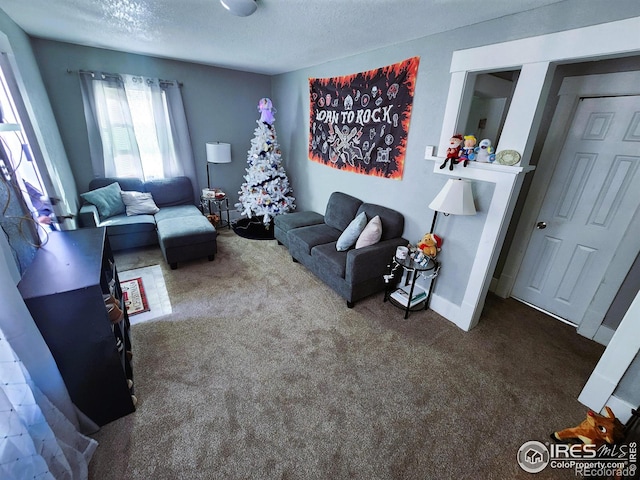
(240,8)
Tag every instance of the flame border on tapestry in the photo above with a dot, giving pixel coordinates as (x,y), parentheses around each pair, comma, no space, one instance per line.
(360,122)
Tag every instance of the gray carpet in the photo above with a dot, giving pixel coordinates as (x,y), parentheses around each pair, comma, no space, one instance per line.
(261,372)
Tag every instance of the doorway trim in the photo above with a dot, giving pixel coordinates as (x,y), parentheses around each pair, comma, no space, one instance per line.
(572,89)
(612,366)
(541,53)
(536,57)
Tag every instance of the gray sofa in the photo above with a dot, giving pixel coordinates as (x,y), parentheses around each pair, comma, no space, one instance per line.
(311,239)
(179,227)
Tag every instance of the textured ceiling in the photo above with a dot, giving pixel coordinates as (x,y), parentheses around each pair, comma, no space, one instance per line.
(283,35)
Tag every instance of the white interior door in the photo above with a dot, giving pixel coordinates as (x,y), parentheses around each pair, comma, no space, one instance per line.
(591,200)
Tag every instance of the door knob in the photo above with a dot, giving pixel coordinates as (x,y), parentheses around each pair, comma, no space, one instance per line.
(541,225)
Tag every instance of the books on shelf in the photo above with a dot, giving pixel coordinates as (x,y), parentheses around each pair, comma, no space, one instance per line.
(401,295)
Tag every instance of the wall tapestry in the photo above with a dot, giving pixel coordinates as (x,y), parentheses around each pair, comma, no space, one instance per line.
(360,122)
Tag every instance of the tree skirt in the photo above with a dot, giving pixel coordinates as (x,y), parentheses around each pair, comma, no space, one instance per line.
(253,228)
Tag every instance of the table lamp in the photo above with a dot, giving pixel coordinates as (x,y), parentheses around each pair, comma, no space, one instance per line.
(217,152)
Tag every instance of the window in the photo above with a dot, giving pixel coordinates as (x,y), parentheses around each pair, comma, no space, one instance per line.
(19,170)
(142,127)
(130,121)
(140,103)
(131,117)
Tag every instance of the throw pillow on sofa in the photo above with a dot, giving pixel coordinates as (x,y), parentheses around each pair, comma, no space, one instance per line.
(351,233)
(107,200)
(371,233)
(139,203)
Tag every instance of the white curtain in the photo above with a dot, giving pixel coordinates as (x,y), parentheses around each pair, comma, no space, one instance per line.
(104,143)
(37,440)
(140,100)
(39,425)
(137,87)
(180,133)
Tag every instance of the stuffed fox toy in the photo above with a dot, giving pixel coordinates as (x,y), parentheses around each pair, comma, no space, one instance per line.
(594,430)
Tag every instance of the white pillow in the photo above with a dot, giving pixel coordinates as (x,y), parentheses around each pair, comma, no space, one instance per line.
(139,203)
(371,233)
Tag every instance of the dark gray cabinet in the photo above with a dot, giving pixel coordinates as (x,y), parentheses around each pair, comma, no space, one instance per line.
(63,289)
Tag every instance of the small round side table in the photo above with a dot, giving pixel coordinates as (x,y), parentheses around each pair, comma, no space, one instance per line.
(405,296)
(219,206)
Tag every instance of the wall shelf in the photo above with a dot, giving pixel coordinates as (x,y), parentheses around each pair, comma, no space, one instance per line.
(478,171)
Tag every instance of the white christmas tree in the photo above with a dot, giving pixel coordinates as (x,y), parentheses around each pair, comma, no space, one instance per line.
(266,190)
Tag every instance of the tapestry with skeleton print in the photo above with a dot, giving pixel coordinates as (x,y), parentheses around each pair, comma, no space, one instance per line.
(360,122)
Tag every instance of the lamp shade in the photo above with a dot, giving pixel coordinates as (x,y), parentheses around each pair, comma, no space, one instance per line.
(218,152)
(455,198)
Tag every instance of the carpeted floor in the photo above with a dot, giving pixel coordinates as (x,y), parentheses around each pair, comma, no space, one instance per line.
(261,372)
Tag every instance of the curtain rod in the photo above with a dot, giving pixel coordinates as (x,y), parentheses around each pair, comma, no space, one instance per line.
(117,75)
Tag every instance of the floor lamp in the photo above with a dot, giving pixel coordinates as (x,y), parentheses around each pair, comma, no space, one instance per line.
(217,152)
(455,198)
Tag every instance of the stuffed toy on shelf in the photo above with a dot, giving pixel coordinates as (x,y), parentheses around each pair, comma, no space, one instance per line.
(468,151)
(453,152)
(484,152)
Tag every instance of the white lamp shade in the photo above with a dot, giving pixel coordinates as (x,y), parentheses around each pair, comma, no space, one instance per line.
(455,198)
(240,8)
(218,152)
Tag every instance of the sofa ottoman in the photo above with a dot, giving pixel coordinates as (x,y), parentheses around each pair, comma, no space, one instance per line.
(187,238)
(288,221)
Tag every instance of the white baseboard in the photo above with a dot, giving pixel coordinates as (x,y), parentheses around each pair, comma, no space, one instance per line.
(450,311)
(603,335)
(504,285)
(493,285)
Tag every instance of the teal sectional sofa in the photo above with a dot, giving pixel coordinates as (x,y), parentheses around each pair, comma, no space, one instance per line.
(178,226)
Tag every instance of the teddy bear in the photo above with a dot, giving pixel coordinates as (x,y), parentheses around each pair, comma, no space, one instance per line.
(213,219)
(430,245)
